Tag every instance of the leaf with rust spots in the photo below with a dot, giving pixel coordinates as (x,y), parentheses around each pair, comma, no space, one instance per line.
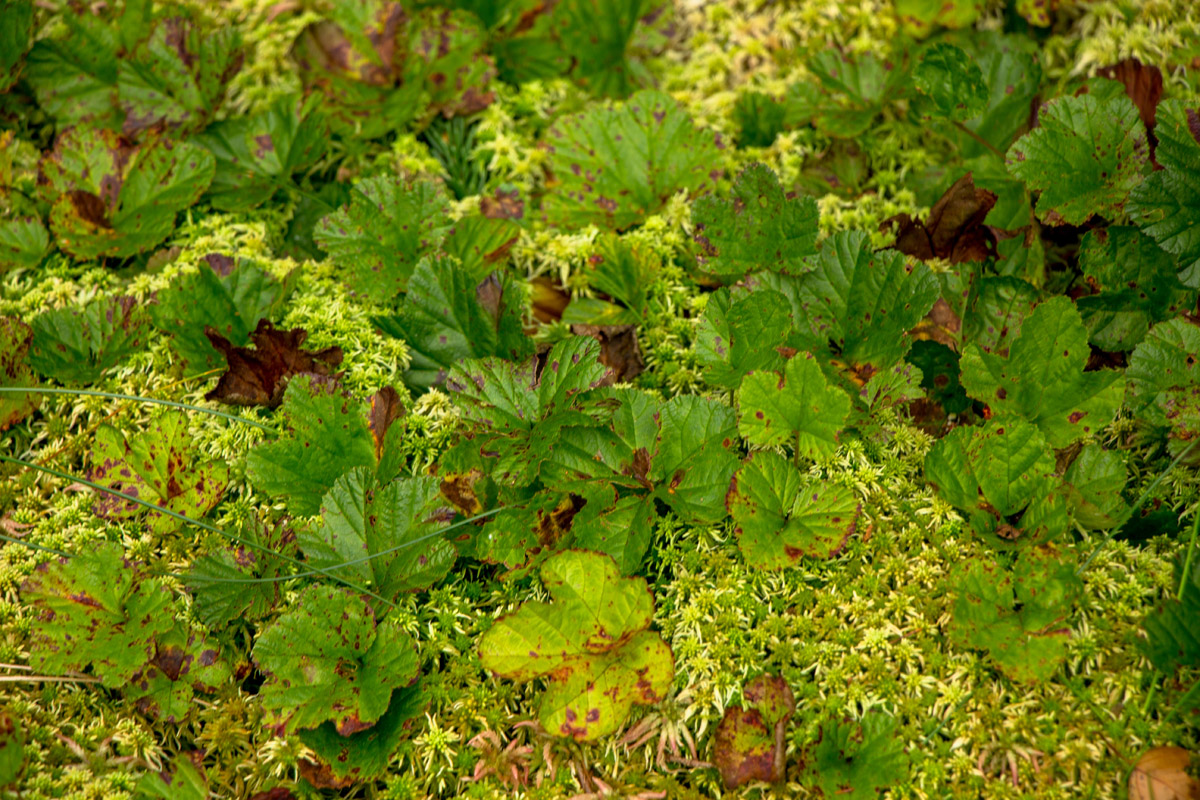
(1164,379)
(591,643)
(750,742)
(259,375)
(183,663)
(850,94)
(996,310)
(77,345)
(93,611)
(450,46)
(521,535)
(449,317)
(156,466)
(24,242)
(74,76)
(258,155)
(780,518)
(616,452)
(758,227)
(327,435)
(378,239)
(694,458)
(1166,205)
(798,407)
(619,527)
(227,295)
(109,198)
(366,754)
(15,339)
(857,760)
(1018,616)
(618,349)
(954,230)
(327,659)
(623,271)
(919,18)
(1095,481)
(481,244)
(227,584)
(615,167)
(1042,379)
(1002,477)
(394,524)
(611,41)
(174,80)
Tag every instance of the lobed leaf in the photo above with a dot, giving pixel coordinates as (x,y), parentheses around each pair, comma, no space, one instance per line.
(77,345)
(797,406)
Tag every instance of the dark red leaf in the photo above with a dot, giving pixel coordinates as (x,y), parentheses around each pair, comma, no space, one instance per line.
(258,375)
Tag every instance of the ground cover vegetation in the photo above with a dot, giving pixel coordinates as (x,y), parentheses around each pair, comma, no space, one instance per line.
(599,398)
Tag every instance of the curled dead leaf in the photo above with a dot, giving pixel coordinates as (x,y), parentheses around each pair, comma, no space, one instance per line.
(258,375)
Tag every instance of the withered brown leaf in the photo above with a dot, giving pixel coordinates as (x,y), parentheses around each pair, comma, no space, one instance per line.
(257,375)
(954,229)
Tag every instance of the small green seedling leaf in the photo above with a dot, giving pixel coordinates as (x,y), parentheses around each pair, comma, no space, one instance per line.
(626,273)
(797,407)
(857,760)
(951,82)
(750,742)
(1043,380)
(328,659)
(1167,203)
(1085,157)
(758,228)
(615,167)
(1018,616)
(380,236)
(76,345)
(591,643)
(780,518)
(156,466)
(15,338)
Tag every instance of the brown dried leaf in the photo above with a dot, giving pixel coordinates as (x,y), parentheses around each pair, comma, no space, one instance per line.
(751,743)
(505,205)
(1161,774)
(258,375)
(386,408)
(618,349)
(954,229)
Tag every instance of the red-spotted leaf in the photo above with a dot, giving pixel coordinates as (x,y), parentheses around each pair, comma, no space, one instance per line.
(15,338)
(750,742)
(797,407)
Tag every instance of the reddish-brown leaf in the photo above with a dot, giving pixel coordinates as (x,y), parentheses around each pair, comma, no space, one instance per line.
(258,375)
(954,229)
(386,408)
(1144,85)
(618,349)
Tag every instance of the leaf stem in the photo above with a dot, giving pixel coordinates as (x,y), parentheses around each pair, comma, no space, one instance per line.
(1138,505)
(153,400)
(960,126)
(1191,553)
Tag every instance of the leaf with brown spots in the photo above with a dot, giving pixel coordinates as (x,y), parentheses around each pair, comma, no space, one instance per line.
(954,230)
(750,742)
(158,466)
(797,407)
(366,754)
(15,338)
(258,375)
(591,643)
(77,345)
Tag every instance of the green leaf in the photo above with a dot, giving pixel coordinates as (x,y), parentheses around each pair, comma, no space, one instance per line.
(327,436)
(780,518)
(1042,379)
(855,91)
(1095,481)
(1002,476)
(951,83)
(740,333)
(183,663)
(858,760)
(865,302)
(940,375)
(367,754)
(757,228)
(749,743)
(620,528)
(75,78)
(1134,286)
(360,518)
(537,526)
(590,643)
(609,41)
(156,466)
(230,297)
(175,79)
(695,459)
(16,36)
(797,406)
(76,345)
(1173,627)
(12,747)
(919,18)
(15,338)
(1167,203)
(258,155)
(1018,616)
(1163,373)
(615,452)
(386,229)
(997,308)
(24,242)
(1013,76)
(108,199)
(481,243)
(1085,157)
(759,119)
(93,613)
(623,271)
(328,659)
(615,167)
(185,782)
(448,317)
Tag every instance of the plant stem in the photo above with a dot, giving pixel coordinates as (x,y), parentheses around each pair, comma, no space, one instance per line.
(979,139)
(153,400)
(1191,553)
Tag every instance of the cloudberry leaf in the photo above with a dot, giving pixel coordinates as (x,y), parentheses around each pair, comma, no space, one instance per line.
(951,83)
(75,77)
(1164,378)
(24,242)
(223,294)
(617,451)
(183,663)
(360,518)
(182,781)
(590,642)
(1085,157)
(481,244)
(1001,475)
(1134,285)
(258,375)
(1167,203)
(1042,379)
(625,272)
(695,458)
(327,435)
(919,18)
(1173,627)
(780,518)
(364,755)
(615,167)
(852,92)
(750,742)
(328,659)
(858,760)
(1017,615)
(109,198)
(760,118)
(15,338)
(12,747)
(155,465)
(609,40)
(76,345)
(996,309)
(757,228)
(379,237)
(1095,481)
(258,155)
(449,317)
(741,332)
(227,584)
(1013,77)
(457,70)
(16,37)
(618,527)
(797,406)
